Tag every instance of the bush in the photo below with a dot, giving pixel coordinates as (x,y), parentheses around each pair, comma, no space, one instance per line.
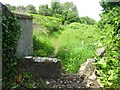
(75,25)
(87,20)
(52,24)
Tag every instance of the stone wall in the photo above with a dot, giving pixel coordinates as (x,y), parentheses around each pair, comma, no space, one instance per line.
(25,42)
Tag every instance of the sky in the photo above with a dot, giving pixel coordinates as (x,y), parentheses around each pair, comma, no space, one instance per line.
(89,8)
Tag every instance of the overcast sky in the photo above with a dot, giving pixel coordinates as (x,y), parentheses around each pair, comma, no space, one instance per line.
(89,8)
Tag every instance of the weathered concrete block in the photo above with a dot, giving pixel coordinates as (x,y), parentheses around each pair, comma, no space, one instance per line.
(43,67)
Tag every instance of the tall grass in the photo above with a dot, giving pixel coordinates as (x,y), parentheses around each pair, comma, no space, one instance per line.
(42,44)
(77,45)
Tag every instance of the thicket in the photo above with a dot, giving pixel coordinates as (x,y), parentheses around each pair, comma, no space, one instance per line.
(109,66)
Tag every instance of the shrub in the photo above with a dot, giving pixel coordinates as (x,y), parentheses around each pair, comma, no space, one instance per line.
(87,20)
(75,25)
(52,24)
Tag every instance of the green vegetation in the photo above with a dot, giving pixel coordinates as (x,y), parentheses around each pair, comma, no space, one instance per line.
(74,44)
(68,44)
(31,9)
(109,66)
(10,34)
(42,44)
(59,32)
(67,12)
(51,24)
(87,20)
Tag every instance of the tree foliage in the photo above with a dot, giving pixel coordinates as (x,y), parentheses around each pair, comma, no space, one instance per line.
(21,9)
(44,10)
(31,9)
(70,12)
(56,8)
(67,11)
(11,7)
(87,20)
(108,5)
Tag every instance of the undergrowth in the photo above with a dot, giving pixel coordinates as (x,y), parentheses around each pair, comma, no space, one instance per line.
(73,45)
(41,44)
(77,45)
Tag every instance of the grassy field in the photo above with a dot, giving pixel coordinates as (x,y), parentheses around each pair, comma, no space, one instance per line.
(73,44)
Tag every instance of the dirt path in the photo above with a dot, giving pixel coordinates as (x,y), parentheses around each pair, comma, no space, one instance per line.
(56,46)
(69,81)
(66,81)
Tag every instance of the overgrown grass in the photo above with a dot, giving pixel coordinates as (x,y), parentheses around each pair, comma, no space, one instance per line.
(77,44)
(42,44)
(73,45)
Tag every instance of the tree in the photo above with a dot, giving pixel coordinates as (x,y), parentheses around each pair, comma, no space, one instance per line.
(12,8)
(20,9)
(108,12)
(31,9)
(87,20)
(56,8)
(44,10)
(107,5)
(67,11)
(70,12)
